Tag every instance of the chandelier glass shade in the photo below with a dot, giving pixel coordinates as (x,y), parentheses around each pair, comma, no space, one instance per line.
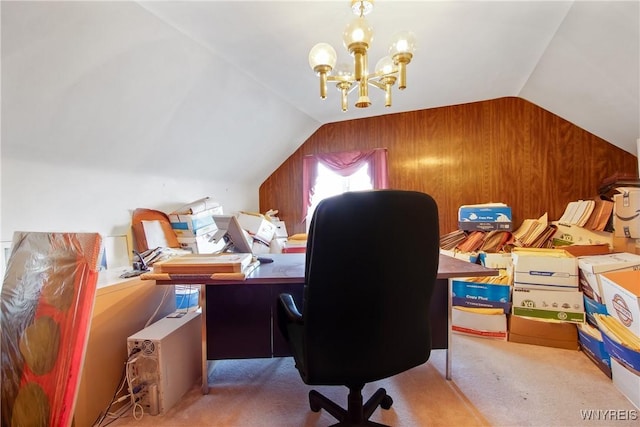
(357,38)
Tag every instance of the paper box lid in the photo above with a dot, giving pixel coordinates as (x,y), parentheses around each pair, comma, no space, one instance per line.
(608,262)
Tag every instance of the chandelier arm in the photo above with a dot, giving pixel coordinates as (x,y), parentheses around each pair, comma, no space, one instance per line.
(377,84)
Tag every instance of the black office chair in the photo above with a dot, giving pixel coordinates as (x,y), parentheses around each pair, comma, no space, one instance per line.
(371,265)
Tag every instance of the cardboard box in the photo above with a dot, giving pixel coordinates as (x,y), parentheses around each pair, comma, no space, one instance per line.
(624,355)
(479,324)
(485,217)
(467,293)
(545,269)
(626,213)
(191,225)
(503,261)
(626,381)
(201,244)
(594,349)
(592,307)
(590,268)
(575,236)
(281,229)
(546,333)
(566,306)
(621,291)
(622,244)
(258,227)
(586,250)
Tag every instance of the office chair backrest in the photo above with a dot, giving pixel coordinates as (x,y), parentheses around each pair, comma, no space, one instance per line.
(371,264)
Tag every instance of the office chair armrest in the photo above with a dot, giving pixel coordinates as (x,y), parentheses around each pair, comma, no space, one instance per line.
(290,310)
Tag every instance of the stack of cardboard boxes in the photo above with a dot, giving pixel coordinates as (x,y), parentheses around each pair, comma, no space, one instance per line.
(591,269)
(559,297)
(481,304)
(621,296)
(194,226)
(547,304)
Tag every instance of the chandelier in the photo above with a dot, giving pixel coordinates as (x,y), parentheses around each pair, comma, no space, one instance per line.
(357,37)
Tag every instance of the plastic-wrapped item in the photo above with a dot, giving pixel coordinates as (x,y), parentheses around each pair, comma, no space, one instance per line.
(45,311)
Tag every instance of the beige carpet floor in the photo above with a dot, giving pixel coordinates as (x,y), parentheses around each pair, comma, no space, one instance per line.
(494,383)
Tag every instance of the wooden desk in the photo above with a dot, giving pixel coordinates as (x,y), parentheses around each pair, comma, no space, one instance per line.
(239,316)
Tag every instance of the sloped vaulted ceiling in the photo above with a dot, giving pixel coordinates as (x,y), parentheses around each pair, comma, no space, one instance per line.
(199,88)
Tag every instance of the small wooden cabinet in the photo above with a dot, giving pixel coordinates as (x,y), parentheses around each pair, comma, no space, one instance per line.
(241,321)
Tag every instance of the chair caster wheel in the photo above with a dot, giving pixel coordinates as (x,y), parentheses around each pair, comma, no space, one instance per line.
(386,402)
(313,404)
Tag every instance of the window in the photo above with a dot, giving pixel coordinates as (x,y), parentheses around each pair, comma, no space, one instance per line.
(326,175)
(329,183)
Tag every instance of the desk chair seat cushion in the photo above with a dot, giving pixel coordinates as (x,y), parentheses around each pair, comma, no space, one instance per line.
(371,264)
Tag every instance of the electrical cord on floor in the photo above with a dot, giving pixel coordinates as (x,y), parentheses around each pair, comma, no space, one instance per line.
(114,399)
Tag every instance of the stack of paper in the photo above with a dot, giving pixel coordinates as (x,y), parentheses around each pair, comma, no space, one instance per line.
(532,232)
(617,331)
(577,213)
(600,216)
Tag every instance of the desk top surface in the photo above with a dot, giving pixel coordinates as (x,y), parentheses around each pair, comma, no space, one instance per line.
(289,268)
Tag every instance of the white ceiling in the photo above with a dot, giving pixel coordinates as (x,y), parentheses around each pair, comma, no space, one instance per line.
(197,88)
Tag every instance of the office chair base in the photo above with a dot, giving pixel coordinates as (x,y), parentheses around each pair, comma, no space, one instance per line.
(356,413)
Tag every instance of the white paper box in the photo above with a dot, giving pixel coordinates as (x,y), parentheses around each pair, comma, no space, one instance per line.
(621,291)
(190,225)
(257,226)
(478,324)
(545,269)
(626,381)
(592,266)
(201,244)
(281,229)
(544,304)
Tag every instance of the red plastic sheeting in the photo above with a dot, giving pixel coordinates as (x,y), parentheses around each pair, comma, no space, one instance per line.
(45,310)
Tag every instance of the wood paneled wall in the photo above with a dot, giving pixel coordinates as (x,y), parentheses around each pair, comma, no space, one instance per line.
(504,150)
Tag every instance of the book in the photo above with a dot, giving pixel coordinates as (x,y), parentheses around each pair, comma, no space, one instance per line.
(205,263)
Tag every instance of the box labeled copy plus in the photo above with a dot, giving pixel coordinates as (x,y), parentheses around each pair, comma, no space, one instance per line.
(485,217)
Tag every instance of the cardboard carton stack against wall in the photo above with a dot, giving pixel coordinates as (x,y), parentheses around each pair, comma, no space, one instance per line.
(481,304)
(547,303)
(194,226)
(621,329)
(591,269)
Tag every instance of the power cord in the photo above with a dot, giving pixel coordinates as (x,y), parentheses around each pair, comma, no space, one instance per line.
(133,391)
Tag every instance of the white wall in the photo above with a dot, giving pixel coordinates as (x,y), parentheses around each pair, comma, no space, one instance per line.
(46,197)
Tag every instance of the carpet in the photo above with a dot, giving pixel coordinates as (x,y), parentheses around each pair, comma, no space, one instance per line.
(269,392)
